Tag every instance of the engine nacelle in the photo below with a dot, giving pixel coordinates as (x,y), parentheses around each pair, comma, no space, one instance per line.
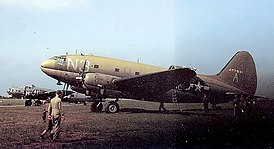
(97,79)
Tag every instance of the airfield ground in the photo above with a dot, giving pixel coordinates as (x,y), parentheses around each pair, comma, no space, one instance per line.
(139,125)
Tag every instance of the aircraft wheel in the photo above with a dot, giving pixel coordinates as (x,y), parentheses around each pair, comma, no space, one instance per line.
(28,102)
(37,103)
(113,107)
(96,107)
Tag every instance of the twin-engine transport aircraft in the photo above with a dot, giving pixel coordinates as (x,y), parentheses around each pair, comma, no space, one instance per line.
(101,77)
(32,92)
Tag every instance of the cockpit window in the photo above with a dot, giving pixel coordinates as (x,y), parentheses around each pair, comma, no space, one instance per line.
(171,67)
(60,59)
(54,58)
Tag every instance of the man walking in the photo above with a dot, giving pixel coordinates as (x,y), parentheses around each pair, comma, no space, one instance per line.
(55,114)
(45,118)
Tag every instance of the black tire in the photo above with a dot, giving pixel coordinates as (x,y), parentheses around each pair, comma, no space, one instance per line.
(37,103)
(112,107)
(96,107)
(28,102)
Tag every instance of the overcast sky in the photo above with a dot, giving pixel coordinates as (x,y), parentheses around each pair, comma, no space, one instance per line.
(200,33)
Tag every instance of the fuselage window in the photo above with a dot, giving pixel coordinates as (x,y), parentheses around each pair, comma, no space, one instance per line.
(96,66)
(137,73)
(116,69)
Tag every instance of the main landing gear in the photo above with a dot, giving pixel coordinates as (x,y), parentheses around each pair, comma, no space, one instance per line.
(112,107)
(96,106)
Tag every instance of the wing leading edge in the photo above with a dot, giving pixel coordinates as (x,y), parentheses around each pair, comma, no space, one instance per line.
(155,84)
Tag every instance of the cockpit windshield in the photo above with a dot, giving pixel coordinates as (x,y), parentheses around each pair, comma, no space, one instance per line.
(54,58)
(60,59)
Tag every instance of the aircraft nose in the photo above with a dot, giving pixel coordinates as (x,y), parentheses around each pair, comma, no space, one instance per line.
(48,64)
(8,91)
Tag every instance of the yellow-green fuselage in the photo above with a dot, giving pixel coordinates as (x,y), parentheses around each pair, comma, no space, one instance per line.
(94,70)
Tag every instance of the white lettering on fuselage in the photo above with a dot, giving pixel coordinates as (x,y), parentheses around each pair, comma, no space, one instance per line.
(78,65)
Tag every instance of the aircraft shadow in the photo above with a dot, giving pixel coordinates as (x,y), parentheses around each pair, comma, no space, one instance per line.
(179,112)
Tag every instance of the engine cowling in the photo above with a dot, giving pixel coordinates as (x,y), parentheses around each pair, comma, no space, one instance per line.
(97,79)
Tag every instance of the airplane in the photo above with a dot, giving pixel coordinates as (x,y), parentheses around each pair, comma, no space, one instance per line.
(30,92)
(16,92)
(102,77)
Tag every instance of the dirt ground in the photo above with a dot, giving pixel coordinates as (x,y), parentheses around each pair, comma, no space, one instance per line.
(140,125)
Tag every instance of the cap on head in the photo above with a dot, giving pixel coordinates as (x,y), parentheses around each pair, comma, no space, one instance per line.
(58,92)
(48,99)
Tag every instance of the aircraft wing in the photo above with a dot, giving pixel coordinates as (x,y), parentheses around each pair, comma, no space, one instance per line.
(154,84)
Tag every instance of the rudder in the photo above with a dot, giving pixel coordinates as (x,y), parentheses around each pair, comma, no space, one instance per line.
(240,72)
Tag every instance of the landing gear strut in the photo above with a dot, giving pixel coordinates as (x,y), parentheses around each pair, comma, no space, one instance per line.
(28,102)
(96,107)
(112,107)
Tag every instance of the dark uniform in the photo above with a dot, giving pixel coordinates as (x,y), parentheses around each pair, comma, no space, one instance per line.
(161,107)
(205,102)
(238,105)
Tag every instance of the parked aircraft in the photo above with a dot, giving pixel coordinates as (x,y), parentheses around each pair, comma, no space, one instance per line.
(102,77)
(16,92)
(30,92)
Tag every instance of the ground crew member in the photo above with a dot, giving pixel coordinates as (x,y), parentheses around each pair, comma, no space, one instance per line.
(238,105)
(161,107)
(45,118)
(55,114)
(205,102)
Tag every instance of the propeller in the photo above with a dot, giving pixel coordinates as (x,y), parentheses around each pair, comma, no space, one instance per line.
(65,89)
(81,76)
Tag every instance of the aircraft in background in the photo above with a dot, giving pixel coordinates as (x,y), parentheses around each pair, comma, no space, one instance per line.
(76,98)
(31,92)
(16,92)
(102,77)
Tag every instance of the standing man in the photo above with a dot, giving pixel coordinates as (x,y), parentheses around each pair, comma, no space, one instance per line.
(205,102)
(238,104)
(55,114)
(161,107)
(45,118)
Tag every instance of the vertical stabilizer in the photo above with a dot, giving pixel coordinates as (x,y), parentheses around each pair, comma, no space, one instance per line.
(240,72)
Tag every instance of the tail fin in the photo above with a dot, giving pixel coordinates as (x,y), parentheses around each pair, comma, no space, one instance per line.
(240,72)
